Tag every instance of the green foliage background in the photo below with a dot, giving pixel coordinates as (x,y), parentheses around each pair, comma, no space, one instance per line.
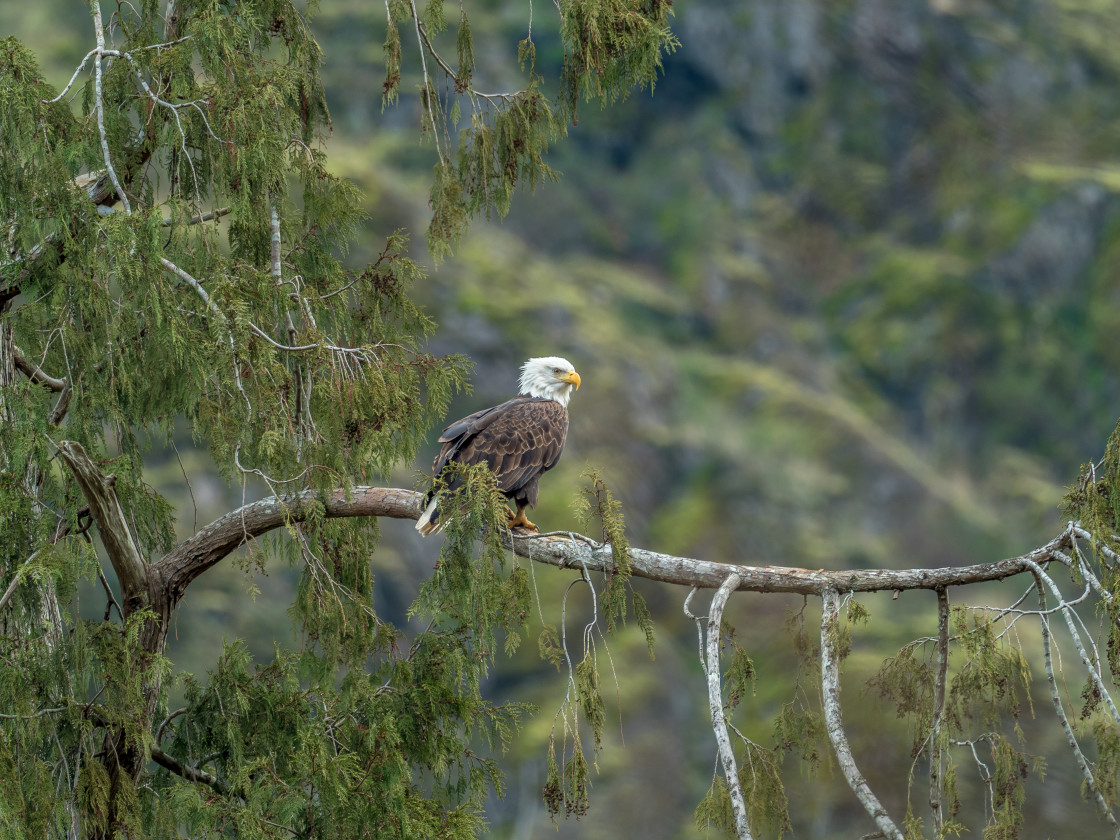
(842,292)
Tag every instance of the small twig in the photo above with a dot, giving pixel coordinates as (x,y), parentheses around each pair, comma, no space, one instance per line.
(697,619)
(1074,529)
(429,90)
(187,479)
(73,78)
(199,218)
(202,293)
(587,631)
(99,104)
(572,535)
(439,60)
(166,721)
(37,714)
(687,612)
(10,591)
(112,602)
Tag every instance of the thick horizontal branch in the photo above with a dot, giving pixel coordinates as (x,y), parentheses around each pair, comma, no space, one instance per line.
(577,551)
(218,539)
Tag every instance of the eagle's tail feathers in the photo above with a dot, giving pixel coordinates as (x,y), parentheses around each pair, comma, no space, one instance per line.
(424,524)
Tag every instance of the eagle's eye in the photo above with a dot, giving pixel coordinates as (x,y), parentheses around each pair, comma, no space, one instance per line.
(556,370)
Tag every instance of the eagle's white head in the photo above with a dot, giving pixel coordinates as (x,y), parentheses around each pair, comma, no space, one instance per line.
(550,377)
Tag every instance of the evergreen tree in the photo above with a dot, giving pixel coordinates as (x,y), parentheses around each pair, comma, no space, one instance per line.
(173,253)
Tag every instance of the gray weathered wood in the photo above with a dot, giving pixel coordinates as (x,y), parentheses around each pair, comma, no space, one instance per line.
(565,550)
(715,704)
(105,508)
(834,723)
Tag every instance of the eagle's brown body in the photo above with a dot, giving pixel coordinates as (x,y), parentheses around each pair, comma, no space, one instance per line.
(518,440)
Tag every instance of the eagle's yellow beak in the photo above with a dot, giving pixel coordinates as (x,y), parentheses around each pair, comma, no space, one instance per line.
(571,378)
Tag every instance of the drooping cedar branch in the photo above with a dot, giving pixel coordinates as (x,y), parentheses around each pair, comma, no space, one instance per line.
(192,557)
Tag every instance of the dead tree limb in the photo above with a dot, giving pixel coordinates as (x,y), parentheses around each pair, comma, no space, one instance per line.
(105,508)
(830,683)
(935,779)
(1090,784)
(215,541)
(715,702)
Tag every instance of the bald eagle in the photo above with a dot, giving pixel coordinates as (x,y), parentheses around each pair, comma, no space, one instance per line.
(519,439)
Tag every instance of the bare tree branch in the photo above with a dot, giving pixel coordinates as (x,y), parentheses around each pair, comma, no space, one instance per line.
(935,803)
(715,703)
(224,535)
(275,265)
(105,507)
(187,772)
(571,550)
(199,218)
(99,105)
(1055,697)
(33,372)
(58,413)
(38,714)
(187,278)
(1091,663)
(198,553)
(830,683)
(16,578)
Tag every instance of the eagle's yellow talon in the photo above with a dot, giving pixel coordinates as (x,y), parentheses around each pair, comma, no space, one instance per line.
(519,520)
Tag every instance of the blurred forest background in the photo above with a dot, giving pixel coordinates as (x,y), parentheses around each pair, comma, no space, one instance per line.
(843,293)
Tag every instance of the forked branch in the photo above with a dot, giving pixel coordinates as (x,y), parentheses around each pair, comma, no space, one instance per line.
(105,508)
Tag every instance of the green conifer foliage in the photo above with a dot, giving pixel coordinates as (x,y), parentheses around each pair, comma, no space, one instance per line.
(173,254)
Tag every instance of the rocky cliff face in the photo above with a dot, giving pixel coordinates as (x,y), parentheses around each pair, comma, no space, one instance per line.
(869,161)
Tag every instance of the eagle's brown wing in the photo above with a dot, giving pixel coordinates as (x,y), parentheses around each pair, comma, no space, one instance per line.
(518,440)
